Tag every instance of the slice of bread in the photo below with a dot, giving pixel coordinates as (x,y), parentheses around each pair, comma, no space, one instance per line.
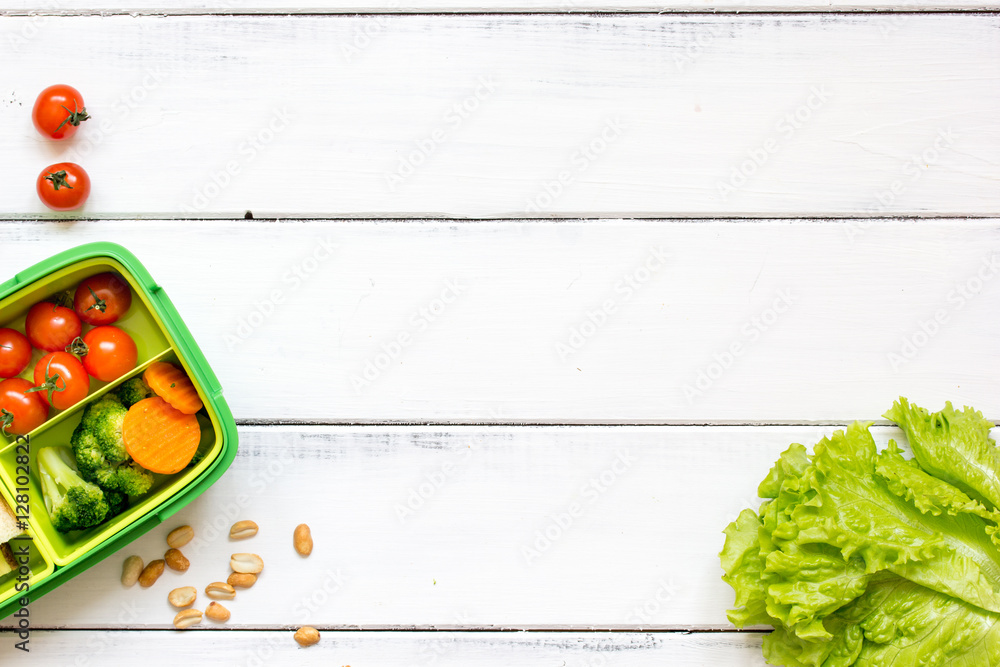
(8,522)
(7,562)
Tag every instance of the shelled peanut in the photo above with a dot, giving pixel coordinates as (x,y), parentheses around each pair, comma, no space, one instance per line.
(302,540)
(151,573)
(307,636)
(180,536)
(131,569)
(217,612)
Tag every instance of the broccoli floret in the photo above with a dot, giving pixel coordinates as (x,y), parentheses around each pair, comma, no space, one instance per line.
(196,459)
(132,391)
(73,503)
(104,419)
(117,503)
(128,478)
(100,451)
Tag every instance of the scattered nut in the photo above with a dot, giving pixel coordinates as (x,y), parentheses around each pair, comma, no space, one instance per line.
(246,563)
(176,560)
(217,612)
(307,636)
(183,597)
(151,573)
(178,537)
(187,618)
(302,538)
(242,530)
(220,590)
(131,569)
(241,580)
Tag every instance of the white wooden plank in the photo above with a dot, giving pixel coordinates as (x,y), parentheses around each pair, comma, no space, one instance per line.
(514,115)
(461,527)
(295,337)
(392,649)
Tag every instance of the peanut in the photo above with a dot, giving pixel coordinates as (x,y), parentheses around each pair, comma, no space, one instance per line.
(217,612)
(178,537)
(302,539)
(240,580)
(183,597)
(176,560)
(242,530)
(187,618)
(131,569)
(307,636)
(246,563)
(220,590)
(151,573)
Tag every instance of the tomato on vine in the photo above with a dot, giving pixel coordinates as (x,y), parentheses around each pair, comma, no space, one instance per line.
(63,186)
(58,111)
(61,380)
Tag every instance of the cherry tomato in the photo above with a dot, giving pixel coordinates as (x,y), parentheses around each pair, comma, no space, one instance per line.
(102,299)
(108,353)
(63,186)
(61,380)
(21,410)
(15,353)
(59,111)
(51,327)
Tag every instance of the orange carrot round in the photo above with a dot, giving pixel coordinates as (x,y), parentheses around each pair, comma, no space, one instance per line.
(173,385)
(160,438)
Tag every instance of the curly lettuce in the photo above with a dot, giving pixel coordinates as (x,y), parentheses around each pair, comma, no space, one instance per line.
(865,557)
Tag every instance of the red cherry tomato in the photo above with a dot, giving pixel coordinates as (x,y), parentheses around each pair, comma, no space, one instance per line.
(15,353)
(63,186)
(51,327)
(109,354)
(59,111)
(21,410)
(102,299)
(61,380)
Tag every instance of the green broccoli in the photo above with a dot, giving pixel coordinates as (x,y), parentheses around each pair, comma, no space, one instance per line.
(100,451)
(132,391)
(117,503)
(73,503)
(128,478)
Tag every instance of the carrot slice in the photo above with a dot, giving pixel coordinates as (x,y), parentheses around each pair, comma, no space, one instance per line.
(172,385)
(160,438)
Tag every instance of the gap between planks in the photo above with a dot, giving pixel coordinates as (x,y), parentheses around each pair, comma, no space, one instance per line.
(679,218)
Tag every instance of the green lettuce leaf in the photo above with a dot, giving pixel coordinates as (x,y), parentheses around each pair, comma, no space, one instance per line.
(869,558)
(954,446)
(913,625)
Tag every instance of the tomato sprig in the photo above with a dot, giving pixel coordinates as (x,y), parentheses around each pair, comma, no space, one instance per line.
(50,385)
(58,180)
(75,117)
(100,305)
(6,421)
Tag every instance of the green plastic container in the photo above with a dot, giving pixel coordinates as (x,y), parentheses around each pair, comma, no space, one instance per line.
(160,335)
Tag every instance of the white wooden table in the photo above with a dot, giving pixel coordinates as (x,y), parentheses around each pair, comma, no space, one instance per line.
(533,294)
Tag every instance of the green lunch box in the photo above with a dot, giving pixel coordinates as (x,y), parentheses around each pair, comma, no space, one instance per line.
(160,335)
